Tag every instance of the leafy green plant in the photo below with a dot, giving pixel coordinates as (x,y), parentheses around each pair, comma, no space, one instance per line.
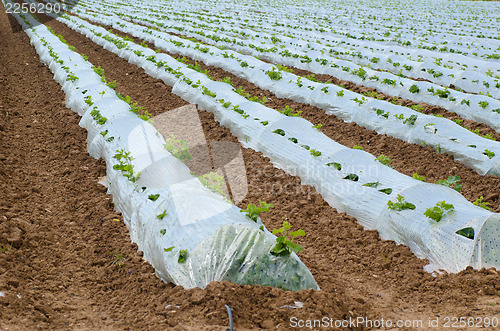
(274,74)
(386,190)
(178,148)
(287,111)
(340,93)
(483,104)
(213,181)
(318,127)
(253,211)
(400,204)
(119,259)
(437,212)
(183,255)
(279,131)
(466,232)
(488,153)
(315,152)
(163,232)
(284,246)
(417,177)
(385,160)
(451,181)
(479,202)
(357,147)
(166,250)
(373,184)
(352,177)
(414,89)
(335,165)
(162,215)
(410,120)
(153,197)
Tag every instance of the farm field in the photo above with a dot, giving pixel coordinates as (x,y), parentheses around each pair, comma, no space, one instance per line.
(304,97)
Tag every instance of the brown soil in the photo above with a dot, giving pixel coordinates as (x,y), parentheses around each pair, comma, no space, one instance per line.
(61,264)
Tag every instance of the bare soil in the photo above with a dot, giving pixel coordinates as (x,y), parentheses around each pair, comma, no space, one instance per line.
(66,260)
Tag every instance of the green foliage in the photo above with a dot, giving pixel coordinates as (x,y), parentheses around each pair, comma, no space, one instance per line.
(163,232)
(125,165)
(290,112)
(183,255)
(437,212)
(488,153)
(335,165)
(386,190)
(417,177)
(166,250)
(315,152)
(162,215)
(352,177)
(253,211)
(357,147)
(213,181)
(178,148)
(479,202)
(153,197)
(279,131)
(400,204)
(414,89)
(373,184)
(274,74)
(284,246)
(119,259)
(451,181)
(385,160)
(318,127)
(466,232)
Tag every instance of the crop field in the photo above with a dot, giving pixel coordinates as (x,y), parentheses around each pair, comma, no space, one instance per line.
(249,165)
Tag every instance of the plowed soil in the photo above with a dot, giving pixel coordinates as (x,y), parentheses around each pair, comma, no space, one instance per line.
(66,260)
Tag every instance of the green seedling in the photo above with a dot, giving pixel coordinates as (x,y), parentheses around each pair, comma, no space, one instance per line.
(253,212)
(178,148)
(479,202)
(452,182)
(183,255)
(385,160)
(437,212)
(284,246)
(418,177)
(400,204)
(466,232)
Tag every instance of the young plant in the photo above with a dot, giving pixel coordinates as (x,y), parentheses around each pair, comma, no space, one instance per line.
(253,211)
(417,177)
(357,147)
(452,181)
(400,204)
(284,246)
(183,255)
(119,259)
(178,148)
(385,160)
(213,181)
(479,202)
(437,212)
(488,153)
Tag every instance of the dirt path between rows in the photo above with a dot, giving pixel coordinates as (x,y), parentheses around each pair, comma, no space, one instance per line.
(67,261)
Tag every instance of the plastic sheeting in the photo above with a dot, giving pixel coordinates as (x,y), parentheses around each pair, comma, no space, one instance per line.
(443,134)
(436,241)
(220,242)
